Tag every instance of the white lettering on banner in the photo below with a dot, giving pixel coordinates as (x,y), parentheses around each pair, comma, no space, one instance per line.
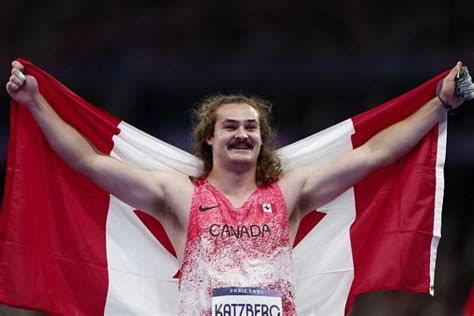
(246,302)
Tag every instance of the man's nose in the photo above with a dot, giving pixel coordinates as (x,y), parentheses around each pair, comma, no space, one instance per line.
(241,133)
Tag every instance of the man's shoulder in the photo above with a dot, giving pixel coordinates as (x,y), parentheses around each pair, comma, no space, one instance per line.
(290,183)
(175,180)
(178,192)
(291,178)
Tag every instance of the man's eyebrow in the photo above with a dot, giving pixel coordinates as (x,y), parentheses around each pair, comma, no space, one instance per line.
(236,121)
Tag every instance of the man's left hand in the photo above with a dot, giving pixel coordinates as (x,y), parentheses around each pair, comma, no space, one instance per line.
(446,89)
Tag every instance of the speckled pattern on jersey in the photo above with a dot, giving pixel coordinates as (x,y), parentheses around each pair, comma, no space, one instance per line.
(244,247)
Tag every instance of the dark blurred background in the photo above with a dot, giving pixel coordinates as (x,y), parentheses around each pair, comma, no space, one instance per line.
(149,62)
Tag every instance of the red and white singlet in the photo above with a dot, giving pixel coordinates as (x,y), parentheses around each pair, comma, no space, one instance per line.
(245,251)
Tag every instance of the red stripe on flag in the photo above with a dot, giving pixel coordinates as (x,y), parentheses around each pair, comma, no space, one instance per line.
(53,220)
(392,233)
(469,307)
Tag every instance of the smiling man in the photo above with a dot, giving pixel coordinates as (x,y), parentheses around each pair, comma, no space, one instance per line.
(232,227)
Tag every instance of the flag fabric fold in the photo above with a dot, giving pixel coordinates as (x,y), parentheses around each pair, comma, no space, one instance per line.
(69,248)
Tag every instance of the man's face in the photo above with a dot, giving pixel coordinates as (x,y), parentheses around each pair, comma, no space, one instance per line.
(236,140)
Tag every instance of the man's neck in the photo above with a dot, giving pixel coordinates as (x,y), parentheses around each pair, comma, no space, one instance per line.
(233,183)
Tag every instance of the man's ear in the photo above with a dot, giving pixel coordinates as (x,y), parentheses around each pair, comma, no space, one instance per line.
(209,140)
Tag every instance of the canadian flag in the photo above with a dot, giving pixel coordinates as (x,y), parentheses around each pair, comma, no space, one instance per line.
(267,207)
(69,248)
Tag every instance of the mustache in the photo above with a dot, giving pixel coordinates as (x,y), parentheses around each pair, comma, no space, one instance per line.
(238,142)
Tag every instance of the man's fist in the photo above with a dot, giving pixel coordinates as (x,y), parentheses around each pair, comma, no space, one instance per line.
(464,85)
(22,88)
(446,89)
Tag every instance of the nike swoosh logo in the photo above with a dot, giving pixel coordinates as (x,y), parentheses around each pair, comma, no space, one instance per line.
(206,208)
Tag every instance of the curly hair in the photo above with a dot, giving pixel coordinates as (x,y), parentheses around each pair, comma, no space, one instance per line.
(204,118)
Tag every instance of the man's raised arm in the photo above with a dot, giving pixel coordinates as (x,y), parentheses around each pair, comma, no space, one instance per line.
(142,189)
(310,187)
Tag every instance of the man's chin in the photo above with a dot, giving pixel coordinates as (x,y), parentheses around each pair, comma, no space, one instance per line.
(242,158)
(240,152)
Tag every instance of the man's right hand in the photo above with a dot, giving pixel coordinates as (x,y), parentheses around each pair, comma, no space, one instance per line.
(22,88)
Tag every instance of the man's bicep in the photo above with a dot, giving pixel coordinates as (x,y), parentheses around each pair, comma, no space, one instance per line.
(323,183)
(140,188)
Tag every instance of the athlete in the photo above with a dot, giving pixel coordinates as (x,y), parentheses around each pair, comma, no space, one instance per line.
(233,227)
